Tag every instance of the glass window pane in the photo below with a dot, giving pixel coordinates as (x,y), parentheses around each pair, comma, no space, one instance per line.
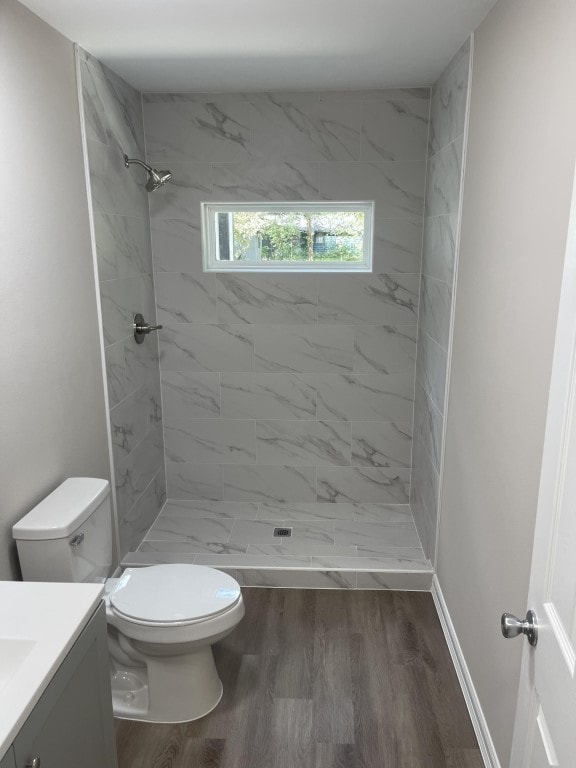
(306,235)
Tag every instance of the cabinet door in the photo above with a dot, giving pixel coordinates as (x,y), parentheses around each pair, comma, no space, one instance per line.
(72,725)
(8,760)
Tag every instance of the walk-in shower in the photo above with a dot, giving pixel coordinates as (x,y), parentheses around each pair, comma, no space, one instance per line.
(286,401)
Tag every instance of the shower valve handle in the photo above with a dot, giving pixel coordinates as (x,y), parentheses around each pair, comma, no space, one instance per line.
(146,328)
(142,329)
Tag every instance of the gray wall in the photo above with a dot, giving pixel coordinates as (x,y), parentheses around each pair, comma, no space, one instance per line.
(288,388)
(447,118)
(53,418)
(517,192)
(113,120)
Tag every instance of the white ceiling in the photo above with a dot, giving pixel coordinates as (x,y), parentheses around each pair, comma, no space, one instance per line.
(234,45)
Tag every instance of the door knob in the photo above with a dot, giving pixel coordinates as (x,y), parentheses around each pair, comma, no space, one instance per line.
(141,328)
(512,626)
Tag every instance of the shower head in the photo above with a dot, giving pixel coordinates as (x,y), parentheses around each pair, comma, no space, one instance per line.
(156,178)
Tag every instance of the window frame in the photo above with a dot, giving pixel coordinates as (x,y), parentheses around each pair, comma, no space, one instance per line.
(210,263)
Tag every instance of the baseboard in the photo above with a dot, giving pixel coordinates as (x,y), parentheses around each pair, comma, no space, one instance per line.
(472,702)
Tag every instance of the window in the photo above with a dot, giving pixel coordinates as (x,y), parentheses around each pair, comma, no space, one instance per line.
(266,237)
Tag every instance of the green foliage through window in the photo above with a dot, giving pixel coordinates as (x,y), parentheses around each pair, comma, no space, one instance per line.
(292,236)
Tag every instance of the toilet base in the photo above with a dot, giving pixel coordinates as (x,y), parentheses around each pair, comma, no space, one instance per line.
(167,689)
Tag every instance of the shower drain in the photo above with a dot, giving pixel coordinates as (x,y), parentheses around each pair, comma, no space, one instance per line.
(282,531)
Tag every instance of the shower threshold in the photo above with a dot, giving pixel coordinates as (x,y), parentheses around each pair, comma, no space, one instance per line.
(330,546)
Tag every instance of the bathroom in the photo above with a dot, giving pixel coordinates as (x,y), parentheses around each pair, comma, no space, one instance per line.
(405,452)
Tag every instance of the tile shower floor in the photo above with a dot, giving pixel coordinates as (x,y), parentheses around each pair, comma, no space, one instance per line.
(331,545)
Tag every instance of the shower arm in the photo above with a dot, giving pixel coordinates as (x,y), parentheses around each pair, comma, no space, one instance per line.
(128,160)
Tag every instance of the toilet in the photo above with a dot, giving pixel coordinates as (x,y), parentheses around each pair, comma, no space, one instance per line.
(162,619)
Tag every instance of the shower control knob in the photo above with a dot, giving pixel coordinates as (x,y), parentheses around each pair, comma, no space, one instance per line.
(142,328)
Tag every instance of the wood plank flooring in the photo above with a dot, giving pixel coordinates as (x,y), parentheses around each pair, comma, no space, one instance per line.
(323,679)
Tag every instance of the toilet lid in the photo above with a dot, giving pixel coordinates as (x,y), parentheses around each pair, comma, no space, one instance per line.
(165,594)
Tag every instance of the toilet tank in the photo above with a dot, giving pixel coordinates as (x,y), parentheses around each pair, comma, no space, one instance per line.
(68,535)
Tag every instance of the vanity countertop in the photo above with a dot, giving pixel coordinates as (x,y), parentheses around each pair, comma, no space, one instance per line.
(39,623)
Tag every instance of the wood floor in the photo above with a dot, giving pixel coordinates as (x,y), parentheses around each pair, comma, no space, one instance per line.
(323,679)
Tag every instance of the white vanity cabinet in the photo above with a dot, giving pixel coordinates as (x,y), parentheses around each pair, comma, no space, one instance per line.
(71,725)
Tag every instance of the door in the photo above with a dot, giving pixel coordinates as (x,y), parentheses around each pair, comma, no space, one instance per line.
(545,729)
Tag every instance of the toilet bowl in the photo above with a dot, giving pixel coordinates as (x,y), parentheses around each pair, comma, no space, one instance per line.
(162,619)
(162,622)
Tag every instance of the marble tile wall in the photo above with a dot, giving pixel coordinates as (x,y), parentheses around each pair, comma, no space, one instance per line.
(114,126)
(447,130)
(288,389)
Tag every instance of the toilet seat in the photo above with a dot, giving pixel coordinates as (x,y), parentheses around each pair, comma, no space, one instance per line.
(174,595)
